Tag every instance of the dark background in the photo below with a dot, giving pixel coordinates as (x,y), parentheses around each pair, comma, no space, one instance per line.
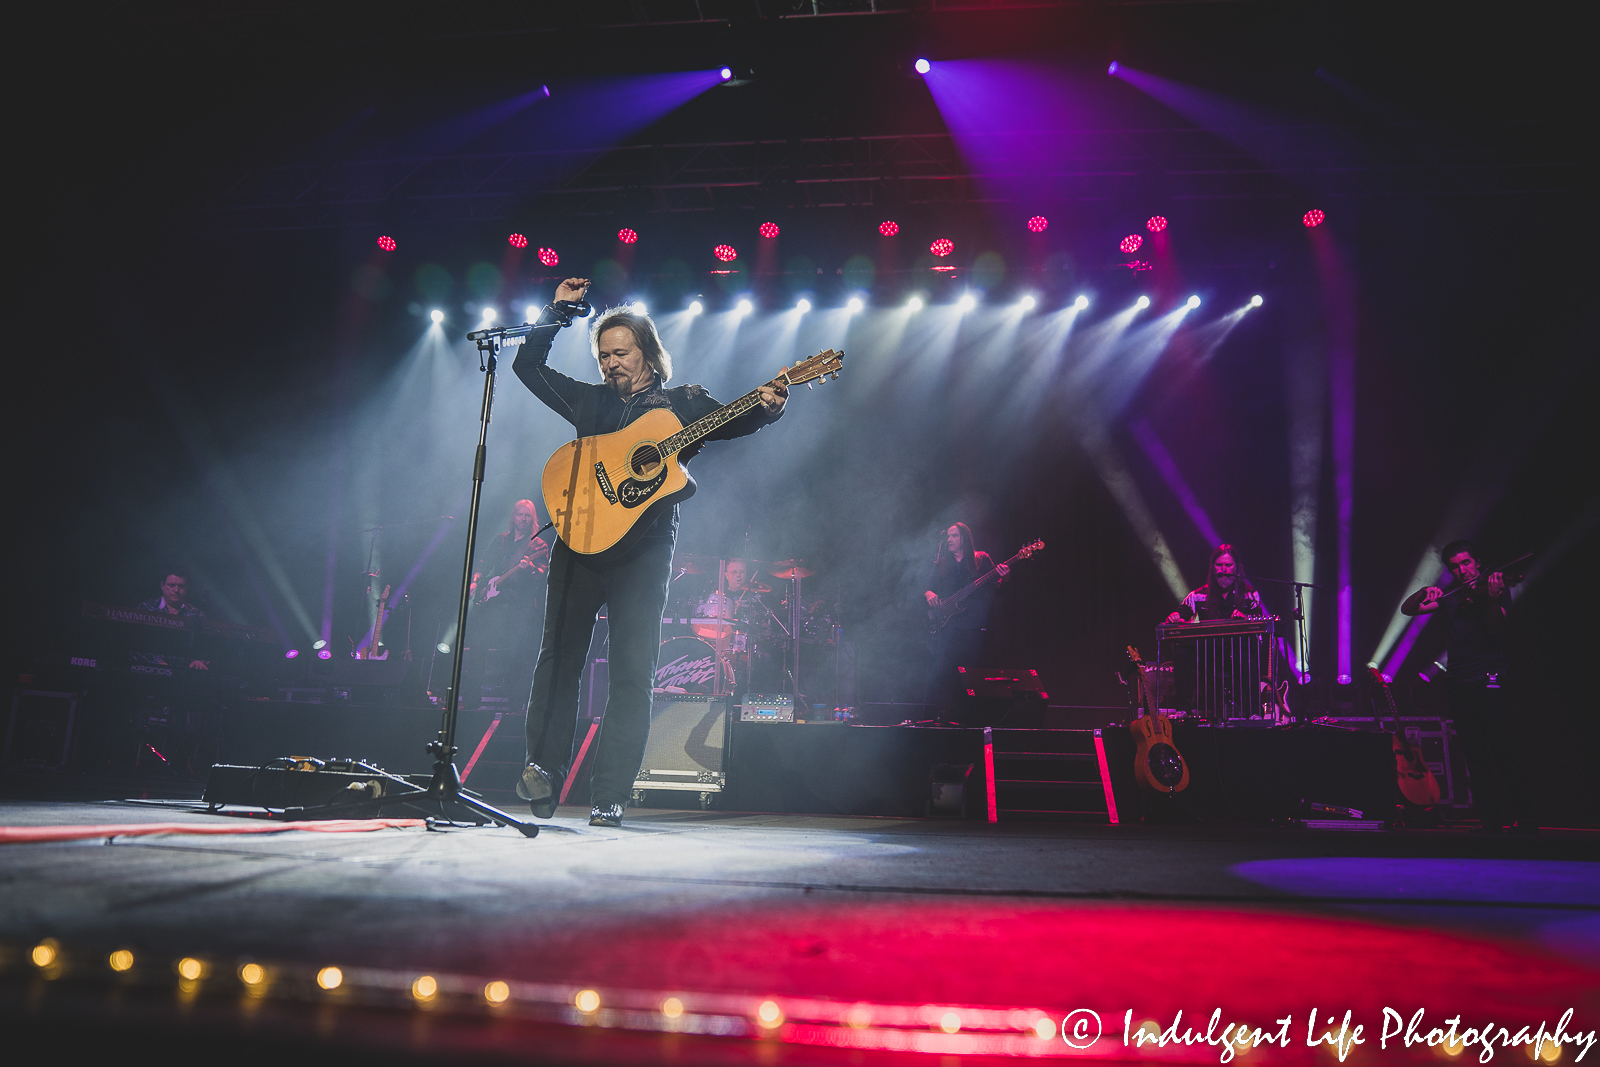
(188,389)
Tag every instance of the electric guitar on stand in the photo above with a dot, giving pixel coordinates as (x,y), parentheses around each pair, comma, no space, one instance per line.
(371,651)
(599,490)
(948,607)
(1416,781)
(1157,765)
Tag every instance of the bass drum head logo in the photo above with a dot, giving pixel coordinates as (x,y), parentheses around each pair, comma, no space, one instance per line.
(687,664)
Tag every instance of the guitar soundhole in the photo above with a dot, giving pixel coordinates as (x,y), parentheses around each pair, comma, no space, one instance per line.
(1166,766)
(645,460)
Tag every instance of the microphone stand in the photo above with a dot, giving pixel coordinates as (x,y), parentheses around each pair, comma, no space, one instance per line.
(1302,651)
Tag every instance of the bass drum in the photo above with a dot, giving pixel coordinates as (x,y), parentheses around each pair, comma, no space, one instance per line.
(686,665)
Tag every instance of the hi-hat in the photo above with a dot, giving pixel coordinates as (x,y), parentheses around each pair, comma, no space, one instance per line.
(791,568)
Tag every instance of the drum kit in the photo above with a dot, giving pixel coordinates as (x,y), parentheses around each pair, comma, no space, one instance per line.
(728,632)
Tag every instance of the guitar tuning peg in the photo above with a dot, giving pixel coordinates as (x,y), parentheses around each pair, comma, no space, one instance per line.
(810,384)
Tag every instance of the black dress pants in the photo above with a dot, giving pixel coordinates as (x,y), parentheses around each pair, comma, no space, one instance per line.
(633,590)
(1491,737)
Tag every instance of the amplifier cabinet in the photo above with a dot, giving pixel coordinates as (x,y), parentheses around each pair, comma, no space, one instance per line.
(688,746)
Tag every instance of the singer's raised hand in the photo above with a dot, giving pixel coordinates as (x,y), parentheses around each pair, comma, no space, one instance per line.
(572,289)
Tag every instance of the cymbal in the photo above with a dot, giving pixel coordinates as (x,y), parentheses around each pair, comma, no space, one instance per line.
(683,561)
(791,568)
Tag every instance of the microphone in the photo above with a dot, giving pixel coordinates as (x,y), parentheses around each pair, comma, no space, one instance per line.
(568,310)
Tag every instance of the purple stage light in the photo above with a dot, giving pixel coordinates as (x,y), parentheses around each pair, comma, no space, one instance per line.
(1131,243)
(768,229)
(922,66)
(386,243)
(1113,68)
(942,247)
(1156,224)
(888,227)
(516,240)
(548,257)
(1312,218)
(627,236)
(726,74)
(324,654)
(1038,224)
(293,653)
(726,253)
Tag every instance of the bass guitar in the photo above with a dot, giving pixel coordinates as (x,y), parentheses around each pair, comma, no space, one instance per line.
(600,489)
(492,588)
(1416,781)
(1157,765)
(946,608)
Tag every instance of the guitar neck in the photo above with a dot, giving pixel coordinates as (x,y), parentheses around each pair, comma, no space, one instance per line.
(992,573)
(703,426)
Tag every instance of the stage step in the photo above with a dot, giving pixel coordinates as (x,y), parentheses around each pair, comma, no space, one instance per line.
(1048,774)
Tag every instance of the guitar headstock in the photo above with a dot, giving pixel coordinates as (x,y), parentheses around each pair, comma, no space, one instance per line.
(1377,676)
(1133,654)
(1030,548)
(818,368)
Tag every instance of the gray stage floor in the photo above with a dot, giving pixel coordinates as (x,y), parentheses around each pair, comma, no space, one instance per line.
(872,911)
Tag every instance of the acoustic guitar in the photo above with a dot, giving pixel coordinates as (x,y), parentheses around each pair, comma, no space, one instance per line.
(600,490)
(1157,765)
(1416,781)
(946,608)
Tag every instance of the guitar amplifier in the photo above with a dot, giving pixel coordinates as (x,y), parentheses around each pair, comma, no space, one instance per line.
(688,746)
(758,707)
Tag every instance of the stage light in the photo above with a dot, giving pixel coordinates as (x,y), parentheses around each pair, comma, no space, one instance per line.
(769,1014)
(488,314)
(1081,303)
(330,978)
(672,1007)
(914,304)
(1130,244)
(803,306)
(639,307)
(293,653)
(252,973)
(587,1001)
(1312,218)
(545,89)
(516,240)
(1038,224)
(319,644)
(726,73)
(191,968)
(1113,68)
(1142,303)
(942,247)
(627,236)
(443,647)
(425,988)
(1027,303)
(726,253)
(1256,301)
(695,307)
(967,302)
(548,257)
(743,307)
(120,960)
(1192,303)
(768,230)
(386,243)
(530,313)
(854,305)
(922,66)
(325,654)
(497,992)
(45,952)
(888,227)
(436,315)
(1156,224)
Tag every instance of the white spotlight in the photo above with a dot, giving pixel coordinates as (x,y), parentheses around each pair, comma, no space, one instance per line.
(1142,303)
(695,307)
(443,647)
(914,304)
(436,315)
(743,307)
(967,302)
(854,305)
(1256,301)
(530,313)
(803,306)
(1027,303)
(1081,303)
(922,66)
(319,644)
(638,307)
(488,314)
(1192,303)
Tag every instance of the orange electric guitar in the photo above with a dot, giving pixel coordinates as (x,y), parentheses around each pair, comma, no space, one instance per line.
(598,490)
(1416,781)
(1157,765)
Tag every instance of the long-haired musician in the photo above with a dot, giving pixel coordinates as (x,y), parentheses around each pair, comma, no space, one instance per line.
(1227,593)
(957,564)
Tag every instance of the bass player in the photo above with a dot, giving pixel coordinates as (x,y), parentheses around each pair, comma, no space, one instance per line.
(956,565)
(632,586)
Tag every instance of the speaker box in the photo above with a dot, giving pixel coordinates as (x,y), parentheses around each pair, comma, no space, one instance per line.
(688,747)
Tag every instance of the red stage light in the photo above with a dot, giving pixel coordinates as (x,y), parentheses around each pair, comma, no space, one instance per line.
(942,247)
(769,229)
(627,236)
(1038,224)
(548,257)
(386,243)
(726,253)
(1312,218)
(516,240)
(1130,244)
(1156,224)
(888,227)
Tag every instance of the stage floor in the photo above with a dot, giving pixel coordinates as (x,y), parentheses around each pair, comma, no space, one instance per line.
(867,940)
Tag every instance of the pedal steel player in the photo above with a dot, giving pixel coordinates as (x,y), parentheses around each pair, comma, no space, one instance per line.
(633,586)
